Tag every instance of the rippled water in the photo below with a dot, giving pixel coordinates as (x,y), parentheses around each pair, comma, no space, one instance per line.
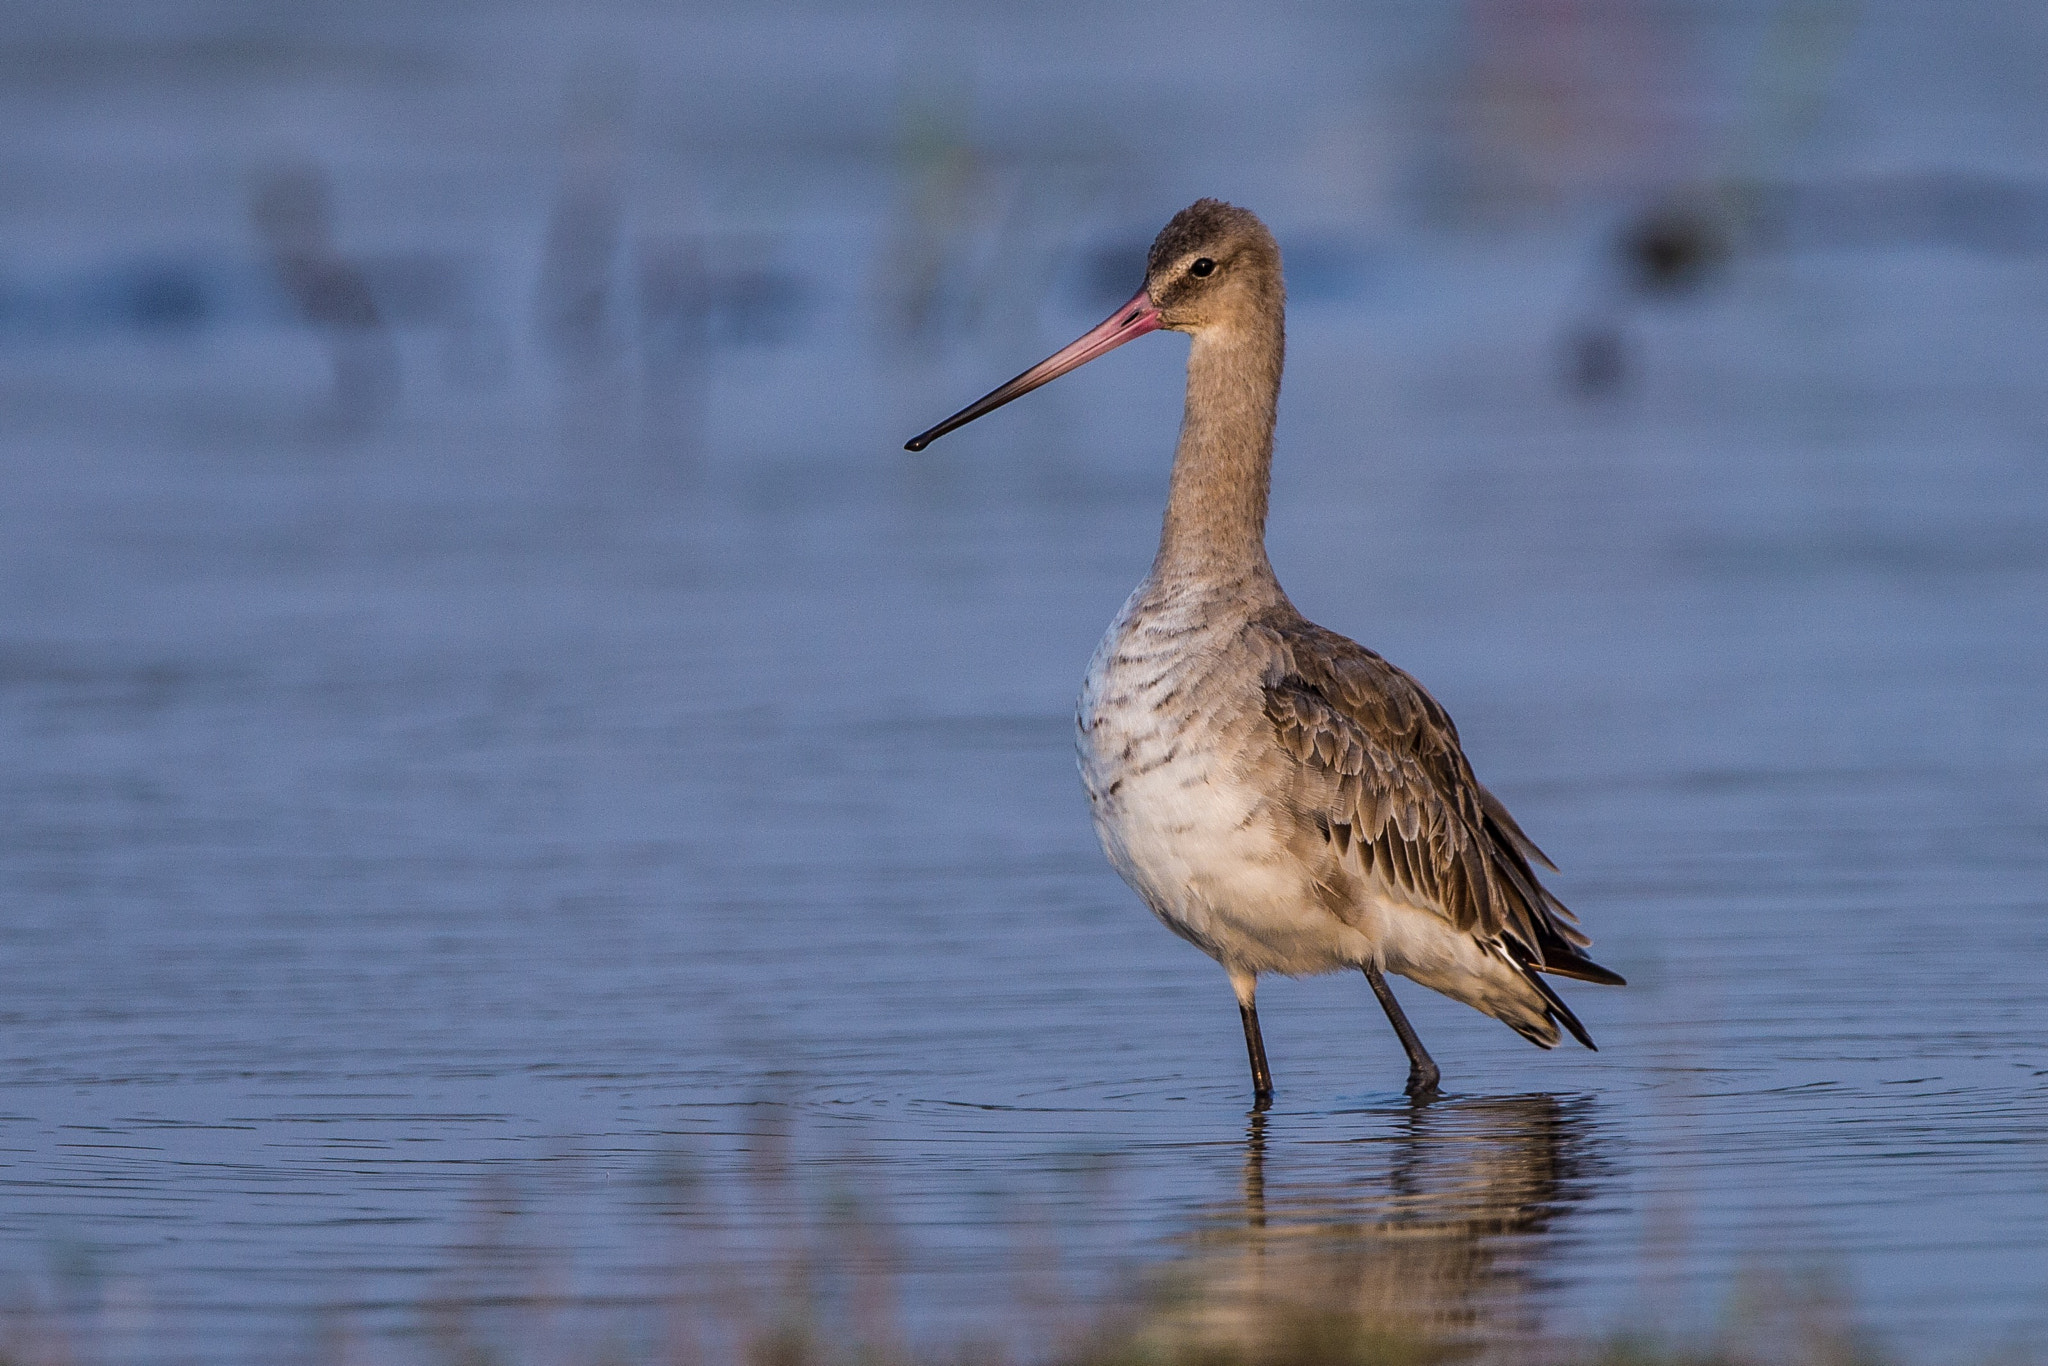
(503,807)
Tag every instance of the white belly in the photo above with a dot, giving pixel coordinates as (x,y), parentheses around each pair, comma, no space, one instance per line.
(1163,725)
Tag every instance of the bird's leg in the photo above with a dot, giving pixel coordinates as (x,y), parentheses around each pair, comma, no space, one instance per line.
(1422,1071)
(1248,1011)
(1262,1078)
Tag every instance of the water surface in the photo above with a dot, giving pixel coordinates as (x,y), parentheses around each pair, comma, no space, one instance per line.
(661,821)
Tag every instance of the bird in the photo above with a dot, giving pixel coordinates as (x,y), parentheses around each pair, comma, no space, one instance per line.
(1277,794)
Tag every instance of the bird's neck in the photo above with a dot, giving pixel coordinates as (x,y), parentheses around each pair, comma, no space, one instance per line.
(1216,509)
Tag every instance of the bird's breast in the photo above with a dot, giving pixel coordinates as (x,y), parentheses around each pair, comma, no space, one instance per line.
(1150,705)
(1169,730)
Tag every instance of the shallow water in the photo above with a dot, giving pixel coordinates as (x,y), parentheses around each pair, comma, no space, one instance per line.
(533,799)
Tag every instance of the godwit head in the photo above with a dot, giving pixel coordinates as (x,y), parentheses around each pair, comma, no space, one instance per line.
(1215,267)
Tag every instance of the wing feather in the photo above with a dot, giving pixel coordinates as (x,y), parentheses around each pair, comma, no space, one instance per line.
(1405,795)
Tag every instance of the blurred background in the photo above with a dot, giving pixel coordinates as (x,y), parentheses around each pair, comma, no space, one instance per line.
(515,789)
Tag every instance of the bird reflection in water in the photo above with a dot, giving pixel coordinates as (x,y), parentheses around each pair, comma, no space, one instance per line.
(1435,1233)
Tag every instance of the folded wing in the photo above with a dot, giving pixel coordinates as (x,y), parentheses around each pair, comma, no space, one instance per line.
(1404,797)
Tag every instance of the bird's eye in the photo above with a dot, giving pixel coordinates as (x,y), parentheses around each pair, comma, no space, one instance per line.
(1202,266)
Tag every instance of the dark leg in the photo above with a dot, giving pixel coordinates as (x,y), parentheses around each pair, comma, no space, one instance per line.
(1262,1078)
(1422,1073)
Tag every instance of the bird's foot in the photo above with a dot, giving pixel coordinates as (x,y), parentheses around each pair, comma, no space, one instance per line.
(1422,1082)
(1262,1100)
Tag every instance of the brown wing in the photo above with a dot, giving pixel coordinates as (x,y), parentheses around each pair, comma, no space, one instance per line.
(1406,797)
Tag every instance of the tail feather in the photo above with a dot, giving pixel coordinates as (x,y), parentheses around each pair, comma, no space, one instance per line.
(1559,1011)
(1503,978)
(1579,966)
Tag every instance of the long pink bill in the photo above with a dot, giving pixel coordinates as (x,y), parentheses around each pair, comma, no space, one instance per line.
(1134,319)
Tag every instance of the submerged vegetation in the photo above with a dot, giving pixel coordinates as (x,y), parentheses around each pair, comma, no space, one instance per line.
(1172,1323)
(1430,1257)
